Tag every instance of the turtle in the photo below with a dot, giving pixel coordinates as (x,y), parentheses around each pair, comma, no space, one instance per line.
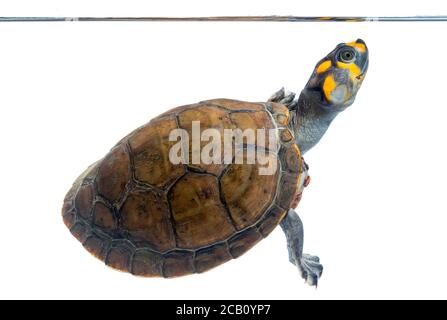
(143,213)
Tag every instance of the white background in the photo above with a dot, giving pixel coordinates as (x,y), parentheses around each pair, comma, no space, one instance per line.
(375,212)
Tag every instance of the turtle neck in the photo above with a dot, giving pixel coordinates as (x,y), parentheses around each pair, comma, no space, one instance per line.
(310,120)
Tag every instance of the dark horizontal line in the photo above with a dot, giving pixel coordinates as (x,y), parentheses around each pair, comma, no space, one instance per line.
(272,18)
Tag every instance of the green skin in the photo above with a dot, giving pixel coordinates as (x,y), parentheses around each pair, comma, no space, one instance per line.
(319,103)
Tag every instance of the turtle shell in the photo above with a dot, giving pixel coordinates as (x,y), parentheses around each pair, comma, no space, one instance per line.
(140,213)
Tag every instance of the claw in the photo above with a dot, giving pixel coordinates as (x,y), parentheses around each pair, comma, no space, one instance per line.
(293,105)
(312,280)
(277,96)
(288,98)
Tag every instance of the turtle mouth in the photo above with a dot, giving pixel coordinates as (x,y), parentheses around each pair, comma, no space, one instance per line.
(363,71)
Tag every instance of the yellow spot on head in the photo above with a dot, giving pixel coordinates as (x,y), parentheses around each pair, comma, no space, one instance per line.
(329,85)
(324,66)
(352,67)
(359,46)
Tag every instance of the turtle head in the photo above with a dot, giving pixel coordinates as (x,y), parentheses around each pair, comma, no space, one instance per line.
(337,77)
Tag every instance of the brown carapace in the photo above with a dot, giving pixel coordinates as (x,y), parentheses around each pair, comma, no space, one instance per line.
(141,214)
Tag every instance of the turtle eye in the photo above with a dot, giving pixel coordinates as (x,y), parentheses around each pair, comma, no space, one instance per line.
(346,55)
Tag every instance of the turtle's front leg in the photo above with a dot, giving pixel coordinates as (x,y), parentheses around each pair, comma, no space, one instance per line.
(308,266)
(285,98)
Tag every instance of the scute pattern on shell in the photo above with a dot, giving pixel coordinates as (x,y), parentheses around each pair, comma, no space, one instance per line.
(141,214)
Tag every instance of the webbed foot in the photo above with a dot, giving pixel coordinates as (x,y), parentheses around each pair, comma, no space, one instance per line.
(310,269)
(286,98)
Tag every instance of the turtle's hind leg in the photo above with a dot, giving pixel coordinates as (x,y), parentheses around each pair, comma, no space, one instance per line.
(308,266)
